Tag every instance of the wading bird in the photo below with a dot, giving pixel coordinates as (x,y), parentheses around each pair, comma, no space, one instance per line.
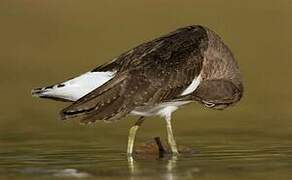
(191,64)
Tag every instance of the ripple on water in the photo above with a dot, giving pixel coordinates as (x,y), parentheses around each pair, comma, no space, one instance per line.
(94,161)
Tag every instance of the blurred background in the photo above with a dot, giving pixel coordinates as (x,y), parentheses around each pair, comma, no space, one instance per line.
(43,42)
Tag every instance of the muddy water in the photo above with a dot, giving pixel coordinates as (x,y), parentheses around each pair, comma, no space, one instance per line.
(43,42)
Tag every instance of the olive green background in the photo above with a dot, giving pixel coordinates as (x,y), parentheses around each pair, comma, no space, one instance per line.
(43,42)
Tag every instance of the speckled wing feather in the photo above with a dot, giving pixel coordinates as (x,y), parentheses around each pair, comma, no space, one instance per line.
(151,73)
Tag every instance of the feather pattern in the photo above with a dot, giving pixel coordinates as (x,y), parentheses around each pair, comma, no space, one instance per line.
(147,75)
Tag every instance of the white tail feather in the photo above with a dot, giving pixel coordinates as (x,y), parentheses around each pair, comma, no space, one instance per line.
(76,88)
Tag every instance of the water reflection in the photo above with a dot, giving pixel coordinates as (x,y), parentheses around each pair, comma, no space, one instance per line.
(213,161)
(132,164)
(89,160)
(165,166)
(171,164)
(67,173)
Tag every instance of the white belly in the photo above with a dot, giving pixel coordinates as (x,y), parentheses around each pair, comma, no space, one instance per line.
(158,110)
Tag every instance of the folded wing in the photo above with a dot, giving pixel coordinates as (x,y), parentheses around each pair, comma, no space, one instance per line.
(149,74)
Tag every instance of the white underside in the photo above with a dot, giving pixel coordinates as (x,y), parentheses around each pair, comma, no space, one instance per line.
(163,110)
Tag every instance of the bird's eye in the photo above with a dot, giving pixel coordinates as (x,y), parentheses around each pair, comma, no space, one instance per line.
(209,104)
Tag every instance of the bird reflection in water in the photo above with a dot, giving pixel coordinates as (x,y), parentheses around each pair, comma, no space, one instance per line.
(137,170)
(155,152)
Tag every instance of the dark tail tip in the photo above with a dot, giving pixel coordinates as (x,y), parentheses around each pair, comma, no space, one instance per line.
(62,116)
(37,92)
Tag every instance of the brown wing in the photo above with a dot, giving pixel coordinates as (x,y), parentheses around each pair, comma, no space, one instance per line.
(149,74)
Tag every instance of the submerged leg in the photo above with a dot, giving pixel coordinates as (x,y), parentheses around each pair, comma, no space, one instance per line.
(170,136)
(132,135)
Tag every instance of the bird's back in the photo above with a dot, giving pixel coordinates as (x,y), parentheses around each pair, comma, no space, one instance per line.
(150,74)
(221,82)
(219,61)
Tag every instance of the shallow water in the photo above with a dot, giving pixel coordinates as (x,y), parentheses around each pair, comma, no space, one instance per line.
(43,42)
(79,159)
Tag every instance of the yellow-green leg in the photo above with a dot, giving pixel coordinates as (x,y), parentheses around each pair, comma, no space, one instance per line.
(170,136)
(132,135)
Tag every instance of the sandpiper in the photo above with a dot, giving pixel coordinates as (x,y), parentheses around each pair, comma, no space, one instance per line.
(190,64)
